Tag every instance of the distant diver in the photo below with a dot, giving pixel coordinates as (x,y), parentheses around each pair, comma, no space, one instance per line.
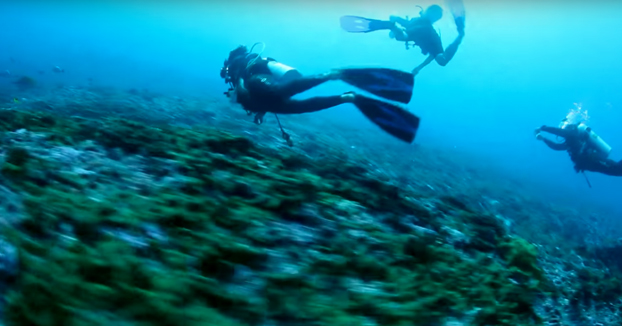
(263,85)
(419,30)
(58,70)
(587,150)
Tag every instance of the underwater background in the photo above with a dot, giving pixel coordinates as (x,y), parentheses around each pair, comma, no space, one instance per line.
(214,221)
(521,65)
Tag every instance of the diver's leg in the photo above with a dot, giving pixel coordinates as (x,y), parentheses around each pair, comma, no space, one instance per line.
(263,88)
(268,93)
(390,24)
(450,51)
(614,168)
(608,167)
(302,84)
(313,104)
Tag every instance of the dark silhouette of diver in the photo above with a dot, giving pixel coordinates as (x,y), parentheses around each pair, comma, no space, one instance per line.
(587,150)
(419,30)
(263,85)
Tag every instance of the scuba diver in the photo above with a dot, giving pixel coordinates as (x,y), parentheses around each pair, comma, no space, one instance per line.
(587,150)
(263,85)
(418,30)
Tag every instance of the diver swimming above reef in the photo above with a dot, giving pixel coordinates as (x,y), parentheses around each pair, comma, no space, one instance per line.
(263,85)
(419,30)
(587,150)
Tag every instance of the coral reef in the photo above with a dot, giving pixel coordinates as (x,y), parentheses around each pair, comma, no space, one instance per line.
(136,215)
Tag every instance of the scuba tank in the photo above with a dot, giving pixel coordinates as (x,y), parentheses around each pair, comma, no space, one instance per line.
(601,148)
(282,72)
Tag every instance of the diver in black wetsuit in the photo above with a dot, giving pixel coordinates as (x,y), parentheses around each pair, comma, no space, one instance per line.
(421,31)
(263,85)
(267,86)
(418,30)
(587,150)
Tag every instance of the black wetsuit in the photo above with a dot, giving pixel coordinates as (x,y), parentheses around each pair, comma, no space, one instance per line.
(263,92)
(582,156)
(419,30)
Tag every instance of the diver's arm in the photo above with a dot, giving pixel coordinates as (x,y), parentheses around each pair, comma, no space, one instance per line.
(444,58)
(398,28)
(399,20)
(242,96)
(259,117)
(555,146)
(427,61)
(556,131)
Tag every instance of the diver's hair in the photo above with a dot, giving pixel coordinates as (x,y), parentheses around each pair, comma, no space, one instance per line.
(237,52)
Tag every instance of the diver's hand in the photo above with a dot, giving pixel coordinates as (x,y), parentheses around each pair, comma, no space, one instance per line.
(401,28)
(538,135)
(460,25)
(398,32)
(259,117)
(415,71)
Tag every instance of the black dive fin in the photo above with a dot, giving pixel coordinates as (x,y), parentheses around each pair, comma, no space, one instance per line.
(391,84)
(393,119)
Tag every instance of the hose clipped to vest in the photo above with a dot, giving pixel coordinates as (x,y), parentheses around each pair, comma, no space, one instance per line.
(285,135)
(251,62)
(586,179)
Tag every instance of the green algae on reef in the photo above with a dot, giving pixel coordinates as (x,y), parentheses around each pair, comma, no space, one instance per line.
(306,239)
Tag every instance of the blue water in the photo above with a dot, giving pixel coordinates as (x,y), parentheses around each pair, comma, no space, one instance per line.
(521,65)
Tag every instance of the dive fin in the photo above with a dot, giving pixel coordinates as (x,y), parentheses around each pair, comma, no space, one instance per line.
(393,119)
(456,7)
(394,85)
(357,24)
(457,10)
